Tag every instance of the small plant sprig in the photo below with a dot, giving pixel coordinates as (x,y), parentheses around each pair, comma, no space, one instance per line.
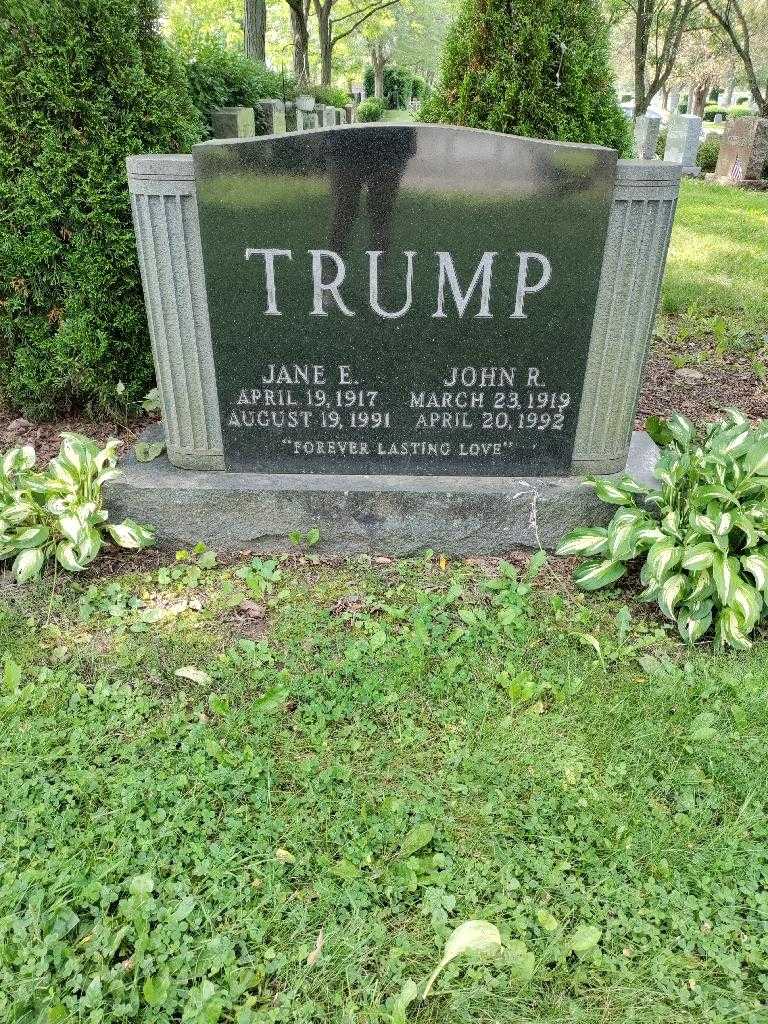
(58,512)
(705,558)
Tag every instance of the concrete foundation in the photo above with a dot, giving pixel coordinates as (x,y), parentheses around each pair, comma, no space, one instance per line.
(396,515)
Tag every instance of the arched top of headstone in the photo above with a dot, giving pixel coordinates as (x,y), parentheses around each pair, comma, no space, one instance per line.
(401,298)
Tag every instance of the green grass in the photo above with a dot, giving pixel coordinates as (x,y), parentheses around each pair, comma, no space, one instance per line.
(398,116)
(718,258)
(172,848)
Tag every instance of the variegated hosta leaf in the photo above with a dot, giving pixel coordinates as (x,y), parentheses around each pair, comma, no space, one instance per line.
(748,528)
(67,557)
(732,441)
(729,632)
(107,457)
(704,523)
(18,460)
(18,512)
(747,602)
(648,535)
(756,459)
(630,485)
(58,506)
(28,564)
(622,532)
(667,469)
(758,513)
(651,589)
(585,541)
(699,556)
(609,491)
(662,558)
(31,537)
(701,587)
(724,572)
(63,473)
(89,546)
(735,416)
(693,621)
(596,574)
(701,496)
(130,535)
(757,566)
(71,526)
(681,429)
(108,474)
(670,594)
(671,525)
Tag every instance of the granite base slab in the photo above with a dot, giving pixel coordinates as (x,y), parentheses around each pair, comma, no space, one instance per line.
(396,515)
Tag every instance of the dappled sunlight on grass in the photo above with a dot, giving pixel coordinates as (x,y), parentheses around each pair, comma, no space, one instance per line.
(718,257)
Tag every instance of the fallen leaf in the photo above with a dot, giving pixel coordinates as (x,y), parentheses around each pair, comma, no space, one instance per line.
(196,675)
(471,937)
(284,856)
(146,452)
(315,953)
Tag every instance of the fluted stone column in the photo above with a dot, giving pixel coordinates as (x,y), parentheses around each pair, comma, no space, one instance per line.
(633,265)
(168,241)
(170,257)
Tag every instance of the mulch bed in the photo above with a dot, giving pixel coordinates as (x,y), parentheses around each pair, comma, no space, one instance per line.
(16,430)
(700,390)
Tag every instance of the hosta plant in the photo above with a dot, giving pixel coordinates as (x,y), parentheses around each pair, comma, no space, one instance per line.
(701,538)
(58,512)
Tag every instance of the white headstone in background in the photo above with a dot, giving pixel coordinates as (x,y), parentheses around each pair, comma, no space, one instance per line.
(646,135)
(683,137)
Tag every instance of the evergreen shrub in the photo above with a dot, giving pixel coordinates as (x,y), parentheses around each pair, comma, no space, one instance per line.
(90,82)
(538,68)
(370,110)
(220,77)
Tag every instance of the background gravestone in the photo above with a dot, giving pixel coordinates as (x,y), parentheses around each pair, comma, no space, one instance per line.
(233,123)
(448,379)
(743,150)
(683,138)
(273,112)
(646,135)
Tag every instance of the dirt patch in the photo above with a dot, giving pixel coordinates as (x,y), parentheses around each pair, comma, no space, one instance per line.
(16,430)
(676,381)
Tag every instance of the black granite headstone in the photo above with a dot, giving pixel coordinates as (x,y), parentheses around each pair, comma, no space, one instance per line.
(397,299)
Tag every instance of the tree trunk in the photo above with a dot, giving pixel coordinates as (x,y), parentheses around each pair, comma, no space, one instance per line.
(323,12)
(699,99)
(378,79)
(300,30)
(641,55)
(255,29)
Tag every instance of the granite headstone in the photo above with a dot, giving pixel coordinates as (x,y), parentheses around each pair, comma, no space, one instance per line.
(401,299)
(646,135)
(683,138)
(743,150)
(233,123)
(273,113)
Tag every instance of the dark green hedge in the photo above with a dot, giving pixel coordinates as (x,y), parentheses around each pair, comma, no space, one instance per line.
(708,153)
(398,86)
(330,95)
(531,67)
(91,82)
(370,110)
(219,77)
